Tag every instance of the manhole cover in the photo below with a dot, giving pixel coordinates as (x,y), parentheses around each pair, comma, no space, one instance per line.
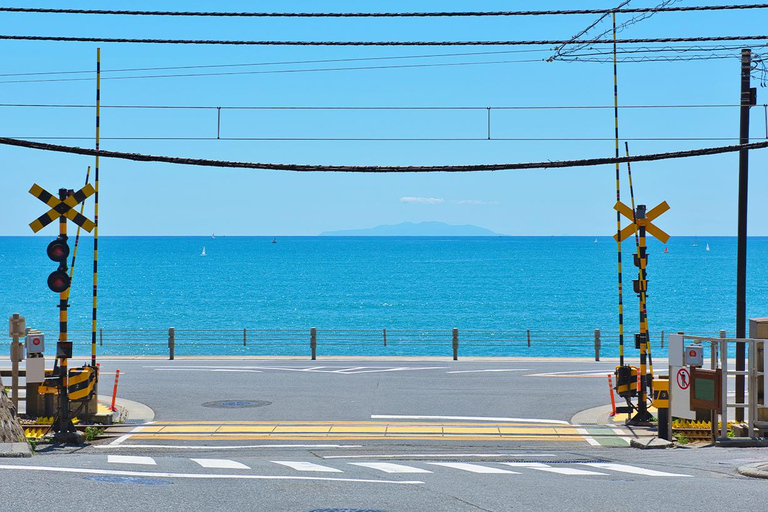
(236,404)
(127,480)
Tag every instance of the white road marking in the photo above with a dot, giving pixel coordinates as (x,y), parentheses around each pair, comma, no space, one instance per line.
(474,468)
(307,466)
(121,439)
(235,370)
(623,435)
(349,370)
(467,418)
(219,464)
(388,467)
(587,437)
(201,476)
(438,455)
(313,369)
(128,459)
(623,468)
(574,373)
(205,447)
(545,467)
(493,371)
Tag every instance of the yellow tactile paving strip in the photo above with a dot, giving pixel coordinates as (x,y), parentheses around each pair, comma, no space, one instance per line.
(357,430)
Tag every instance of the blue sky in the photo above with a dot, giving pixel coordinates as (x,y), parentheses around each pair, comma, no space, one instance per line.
(161,199)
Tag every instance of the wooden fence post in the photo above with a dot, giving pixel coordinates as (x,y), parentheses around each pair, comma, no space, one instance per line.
(597,344)
(245,337)
(455,344)
(528,332)
(171,342)
(313,342)
(385,337)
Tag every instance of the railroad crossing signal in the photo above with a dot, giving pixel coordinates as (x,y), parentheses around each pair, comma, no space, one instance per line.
(61,208)
(651,215)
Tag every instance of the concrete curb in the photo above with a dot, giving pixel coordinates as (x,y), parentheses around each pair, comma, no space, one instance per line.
(135,412)
(15,450)
(757,470)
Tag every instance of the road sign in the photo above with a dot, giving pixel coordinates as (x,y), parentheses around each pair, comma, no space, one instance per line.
(680,397)
(650,228)
(35,343)
(61,208)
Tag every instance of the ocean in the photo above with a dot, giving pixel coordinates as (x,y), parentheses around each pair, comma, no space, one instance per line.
(493,289)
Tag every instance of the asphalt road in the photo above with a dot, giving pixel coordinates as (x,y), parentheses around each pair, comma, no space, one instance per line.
(358,435)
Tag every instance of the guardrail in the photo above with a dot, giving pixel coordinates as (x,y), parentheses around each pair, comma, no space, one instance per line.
(447,341)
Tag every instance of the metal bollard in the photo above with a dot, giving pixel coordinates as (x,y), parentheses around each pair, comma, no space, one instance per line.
(529,337)
(597,344)
(101,337)
(313,342)
(245,337)
(455,344)
(171,342)
(662,339)
(385,337)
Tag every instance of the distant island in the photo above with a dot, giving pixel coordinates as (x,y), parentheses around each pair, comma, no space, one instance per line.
(416,229)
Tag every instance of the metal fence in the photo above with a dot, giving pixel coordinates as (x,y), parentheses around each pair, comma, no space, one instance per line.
(312,341)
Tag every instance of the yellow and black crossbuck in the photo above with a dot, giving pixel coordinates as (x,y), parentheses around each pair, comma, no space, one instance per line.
(61,208)
(650,228)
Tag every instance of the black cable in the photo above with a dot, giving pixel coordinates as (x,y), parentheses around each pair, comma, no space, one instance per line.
(331,107)
(230,42)
(384,139)
(278,63)
(378,14)
(379,169)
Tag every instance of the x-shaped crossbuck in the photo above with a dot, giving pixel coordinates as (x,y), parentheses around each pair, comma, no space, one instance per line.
(651,215)
(61,208)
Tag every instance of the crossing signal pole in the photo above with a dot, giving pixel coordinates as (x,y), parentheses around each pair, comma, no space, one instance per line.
(59,281)
(642,225)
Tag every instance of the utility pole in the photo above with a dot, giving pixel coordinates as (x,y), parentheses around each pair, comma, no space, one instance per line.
(748,99)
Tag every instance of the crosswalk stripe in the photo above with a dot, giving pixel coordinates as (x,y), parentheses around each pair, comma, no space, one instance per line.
(388,467)
(307,466)
(623,468)
(130,459)
(219,464)
(549,469)
(474,468)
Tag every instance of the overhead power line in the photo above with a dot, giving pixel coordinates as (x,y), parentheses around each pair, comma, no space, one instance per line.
(378,169)
(373,107)
(442,14)
(231,42)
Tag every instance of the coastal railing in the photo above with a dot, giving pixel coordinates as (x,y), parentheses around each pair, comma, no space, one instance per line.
(313,341)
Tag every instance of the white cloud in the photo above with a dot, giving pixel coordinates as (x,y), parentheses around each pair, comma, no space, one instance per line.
(422,200)
(475,201)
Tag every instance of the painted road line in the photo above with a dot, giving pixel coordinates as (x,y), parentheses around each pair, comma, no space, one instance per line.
(466,418)
(573,374)
(441,455)
(235,370)
(623,468)
(120,440)
(493,371)
(474,468)
(201,476)
(307,466)
(128,459)
(549,469)
(227,447)
(219,464)
(388,467)
(586,436)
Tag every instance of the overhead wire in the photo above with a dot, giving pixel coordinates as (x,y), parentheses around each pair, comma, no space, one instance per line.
(235,42)
(550,164)
(224,14)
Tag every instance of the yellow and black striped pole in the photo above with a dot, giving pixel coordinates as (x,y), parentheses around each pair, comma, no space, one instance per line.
(643,296)
(642,410)
(618,194)
(77,236)
(96,209)
(63,421)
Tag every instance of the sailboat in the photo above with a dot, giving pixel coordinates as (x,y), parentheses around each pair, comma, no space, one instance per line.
(707,249)
(595,241)
(203,253)
(695,242)
(274,240)
(213,236)
(666,250)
